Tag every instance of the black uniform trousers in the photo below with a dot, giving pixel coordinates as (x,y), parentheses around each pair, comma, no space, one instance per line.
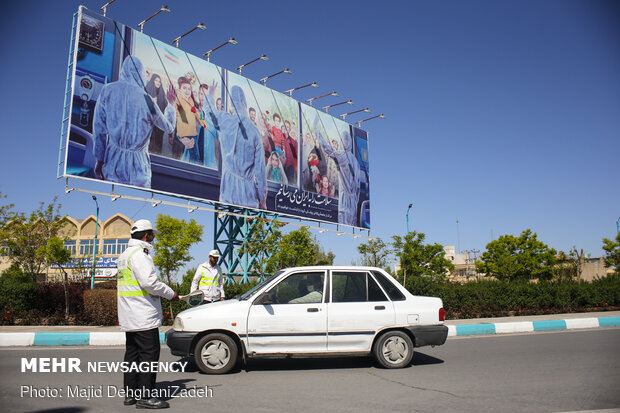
(141,346)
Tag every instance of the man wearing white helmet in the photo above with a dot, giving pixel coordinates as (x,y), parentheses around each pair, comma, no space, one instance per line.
(208,279)
(139,313)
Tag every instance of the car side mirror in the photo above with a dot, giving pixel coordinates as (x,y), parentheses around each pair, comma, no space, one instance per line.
(264,299)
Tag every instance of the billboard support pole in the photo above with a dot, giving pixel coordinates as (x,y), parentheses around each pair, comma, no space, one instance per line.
(231,232)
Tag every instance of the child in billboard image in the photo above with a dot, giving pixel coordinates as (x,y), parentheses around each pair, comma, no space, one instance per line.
(188,121)
(243,161)
(290,152)
(124,119)
(349,170)
(316,163)
(210,151)
(274,170)
(278,136)
(325,188)
(155,89)
(264,128)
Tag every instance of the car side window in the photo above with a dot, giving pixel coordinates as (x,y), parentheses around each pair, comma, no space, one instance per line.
(350,287)
(389,287)
(299,288)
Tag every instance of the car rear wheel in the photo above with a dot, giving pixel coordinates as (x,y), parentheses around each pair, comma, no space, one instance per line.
(216,353)
(393,350)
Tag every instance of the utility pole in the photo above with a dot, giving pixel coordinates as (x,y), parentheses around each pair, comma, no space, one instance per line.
(458,236)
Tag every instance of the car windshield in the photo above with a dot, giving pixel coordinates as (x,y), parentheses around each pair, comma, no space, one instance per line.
(248,294)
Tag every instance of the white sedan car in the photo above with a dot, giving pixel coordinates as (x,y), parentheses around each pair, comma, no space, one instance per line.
(308,312)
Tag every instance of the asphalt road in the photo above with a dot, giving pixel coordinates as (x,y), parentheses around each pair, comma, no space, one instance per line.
(541,372)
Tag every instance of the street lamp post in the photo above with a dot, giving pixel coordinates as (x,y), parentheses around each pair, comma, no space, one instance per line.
(618,224)
(92,275)
(410,205)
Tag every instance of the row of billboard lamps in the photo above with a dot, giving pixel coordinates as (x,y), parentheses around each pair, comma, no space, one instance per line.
(263,57)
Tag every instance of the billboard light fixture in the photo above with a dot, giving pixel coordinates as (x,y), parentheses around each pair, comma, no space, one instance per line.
(344,115)
(263,57)
(350,102)
(264,80)
(382,116)
(200,26)
(141,24)
(334,93)
(105,6)
(229,41)
(290,91)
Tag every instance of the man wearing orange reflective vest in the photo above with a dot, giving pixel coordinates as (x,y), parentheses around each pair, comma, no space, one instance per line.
(140,314)
(208,279)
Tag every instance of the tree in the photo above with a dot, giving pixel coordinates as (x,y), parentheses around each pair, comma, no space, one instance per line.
(25,238)
(6,213)
(173,241)
(569,266)
(612,253)
(323,258)
(261,245)
(56,254)
(418,259)
(374,253)
(513,258)
(295,249)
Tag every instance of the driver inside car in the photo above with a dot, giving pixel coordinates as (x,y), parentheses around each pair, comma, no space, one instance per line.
(315,291)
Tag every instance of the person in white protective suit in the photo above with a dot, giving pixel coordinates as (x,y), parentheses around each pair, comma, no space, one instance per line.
(243,160)
(123,123)
(349,170)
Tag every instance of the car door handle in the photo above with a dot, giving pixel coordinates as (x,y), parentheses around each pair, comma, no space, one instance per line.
(313,310)
(379,307)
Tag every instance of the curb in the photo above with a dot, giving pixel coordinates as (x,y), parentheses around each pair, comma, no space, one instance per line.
(531,326)
(118,338)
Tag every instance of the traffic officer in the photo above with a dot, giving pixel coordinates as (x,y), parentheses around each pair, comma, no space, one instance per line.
(140,314)
(208,279)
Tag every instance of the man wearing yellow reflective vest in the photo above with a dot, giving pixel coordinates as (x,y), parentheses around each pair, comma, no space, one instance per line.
(140,314)
(208,279)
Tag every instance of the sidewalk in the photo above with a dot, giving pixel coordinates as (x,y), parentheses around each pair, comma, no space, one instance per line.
(112,336)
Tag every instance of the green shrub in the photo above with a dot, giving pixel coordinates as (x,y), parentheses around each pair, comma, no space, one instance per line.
(100,307)
(18,293)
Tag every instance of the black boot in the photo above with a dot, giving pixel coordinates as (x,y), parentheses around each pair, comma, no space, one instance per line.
(129,401)
(152,403)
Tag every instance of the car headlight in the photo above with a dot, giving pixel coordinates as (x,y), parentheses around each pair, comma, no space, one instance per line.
(178,324)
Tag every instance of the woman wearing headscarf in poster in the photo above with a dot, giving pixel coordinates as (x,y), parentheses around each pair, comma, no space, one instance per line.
(155,89)
(123,123)
(243,162)
(274,170)
(188,121)
(211,145)
(350,174)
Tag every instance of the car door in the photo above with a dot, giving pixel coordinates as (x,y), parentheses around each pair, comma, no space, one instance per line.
(357,310)
(295,318)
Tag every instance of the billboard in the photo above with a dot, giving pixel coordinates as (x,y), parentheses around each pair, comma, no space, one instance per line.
(150,116)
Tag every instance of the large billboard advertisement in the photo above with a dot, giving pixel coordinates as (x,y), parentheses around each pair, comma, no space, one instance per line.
(148,115)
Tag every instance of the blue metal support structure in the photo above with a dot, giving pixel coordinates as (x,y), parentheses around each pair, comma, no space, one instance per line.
(231,232)
(66,111)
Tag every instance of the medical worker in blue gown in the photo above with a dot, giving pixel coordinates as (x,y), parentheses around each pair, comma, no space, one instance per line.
(243,161)
(123,123)
(349,169)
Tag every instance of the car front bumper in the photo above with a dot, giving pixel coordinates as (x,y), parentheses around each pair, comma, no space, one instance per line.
(429,335)
(180,342)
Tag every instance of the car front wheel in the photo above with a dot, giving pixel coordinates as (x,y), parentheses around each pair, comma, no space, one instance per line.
(215,353)
(393,350)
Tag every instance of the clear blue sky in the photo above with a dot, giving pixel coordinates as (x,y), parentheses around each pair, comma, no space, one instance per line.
(505,114)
